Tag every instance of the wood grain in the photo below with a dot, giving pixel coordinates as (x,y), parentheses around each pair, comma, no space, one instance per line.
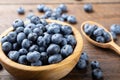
(56,1)
(105,14)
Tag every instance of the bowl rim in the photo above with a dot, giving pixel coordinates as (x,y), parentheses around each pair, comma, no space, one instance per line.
(77,51)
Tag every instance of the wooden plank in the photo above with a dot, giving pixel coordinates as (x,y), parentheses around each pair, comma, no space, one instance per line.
(55,1)
(105,14)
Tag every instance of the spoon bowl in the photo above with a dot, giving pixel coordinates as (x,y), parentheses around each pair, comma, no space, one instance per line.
(111,44)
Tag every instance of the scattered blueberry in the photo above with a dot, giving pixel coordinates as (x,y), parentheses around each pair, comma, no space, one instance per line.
(88,7)
(64,16)
(95,64)
(97,74)
(82,64)
(40,7)
(20,10)
(84,56)
(63,7)
(72,19)
(115,28)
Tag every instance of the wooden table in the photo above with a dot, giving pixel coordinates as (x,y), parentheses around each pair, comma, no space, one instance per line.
(106,12)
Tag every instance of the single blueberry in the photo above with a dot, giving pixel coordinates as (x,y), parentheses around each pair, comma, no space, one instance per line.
(98,32)
(48,13)
(38,31)
(64,16)
(20,37)
(41,41)
(23,60)
(17,23)
(66,29)
(41,26)
(55,58)
(86,26)
(53,49)
(30,15)
(56,38)
(88,7)
(100,39)
(4,39)
(45,9)
(26,43)
(58,10)
(35,20)
(32,36)
(12,36)
(81,64)
(66,50)
(27,31)
(20,10)
(72,19)
(84,56)
(16,46)
(6,46)
(55,14)
(63,42)
(97,74)
(63,7)
(37,63)
(95,65)
(23,51)
(107,36)
(115,28)
(13,55)
(31,26)
(33,56)
(33,48)
(60,19)
(47,38)
(19,29)
(40,7)
(71,40)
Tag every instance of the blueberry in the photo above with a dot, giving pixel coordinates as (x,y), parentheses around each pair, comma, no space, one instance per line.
(115,28)
(107,36)
(20,37)
(66,50)
(64,16)
(97,74)
(58,10)
(19,29)
(23,51)
(16,46)
(41,41)
(55,58)
(63,7)
(54,29)
(47,38)
(56,38)
(100,39)
(33,48)
(63,42)
(89,31)
(23,60)
(41,26)
(4,39)
(41,49)
(38,31)
(40,7)
(95,64)
(48,13)
(33,56)
(88,7)
(37,63)
(98,32)
(55,14)
(114,35)
(6,46)
(27,31)
(20,10)
(66,29)
(45,9)
(53,49)
(81,64)
(32,36)
(72,19)
(71,40)
(13,55)
(84,56)
(35,20)
(26,43)
(60,19)
(30,15)
(12,36)
(1,67)
(86,26)
(44,58)
(17,23)
(31,26)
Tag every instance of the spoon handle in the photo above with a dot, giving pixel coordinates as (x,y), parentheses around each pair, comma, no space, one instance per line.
(115,47)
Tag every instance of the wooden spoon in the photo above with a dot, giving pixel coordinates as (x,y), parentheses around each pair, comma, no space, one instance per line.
(111,44)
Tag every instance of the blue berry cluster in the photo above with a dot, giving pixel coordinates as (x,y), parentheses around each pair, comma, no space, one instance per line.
(96,33)
(37,42)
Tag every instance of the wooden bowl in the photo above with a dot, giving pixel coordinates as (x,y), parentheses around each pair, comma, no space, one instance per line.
(48,72)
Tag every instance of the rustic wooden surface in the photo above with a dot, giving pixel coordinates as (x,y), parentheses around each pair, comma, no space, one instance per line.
(106,12)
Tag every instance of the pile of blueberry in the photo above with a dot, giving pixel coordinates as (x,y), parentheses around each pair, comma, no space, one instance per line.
(83,63)
(38,42)
(59,13)
(96,33)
